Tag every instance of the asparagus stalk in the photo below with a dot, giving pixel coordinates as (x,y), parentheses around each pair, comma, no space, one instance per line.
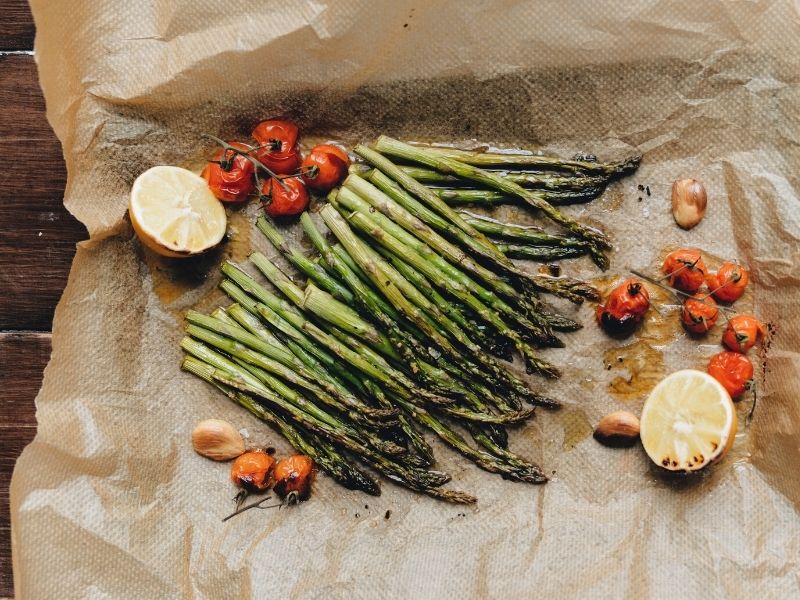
(389,212)
(540,253)
(396,148)
(343,471)
(271,357)
(355,428)
(449,367)
(537,161)
(241,335)
(341,314)
(414,478)
(352,273)
(329,313)
(529,305)
(375,416)
(392,379)
(370,302)
(484,439)
(302,347)
(389,281)
(262,374)
(521,234)
(422,448)
(304,412)
(368,226)
(302,263)
(479,243)
(376,268)
(529,473)
(361,290)
(419,281)
(567,288)
(321,452)
(544,184)
(457,196)
(400,220)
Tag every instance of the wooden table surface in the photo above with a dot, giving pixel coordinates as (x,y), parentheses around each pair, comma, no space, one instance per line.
(37,243)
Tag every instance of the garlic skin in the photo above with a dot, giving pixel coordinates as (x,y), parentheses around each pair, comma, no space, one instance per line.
(689,202)
(619,428)
(217,440)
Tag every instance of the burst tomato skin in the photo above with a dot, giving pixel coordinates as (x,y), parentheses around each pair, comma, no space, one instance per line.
(294,474)
(733,370)
(276,130)
(685,269)
(278,149)
(252,470)
(729,282)
(234,184)
(742,333)
(325,167)
(280,201)
(624,308)
(699,313)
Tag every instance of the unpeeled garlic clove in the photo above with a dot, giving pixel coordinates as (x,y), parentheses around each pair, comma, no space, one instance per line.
(217,440)
(689,202)
(619,428)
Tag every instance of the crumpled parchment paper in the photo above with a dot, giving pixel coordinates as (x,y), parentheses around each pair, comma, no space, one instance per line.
(110,501)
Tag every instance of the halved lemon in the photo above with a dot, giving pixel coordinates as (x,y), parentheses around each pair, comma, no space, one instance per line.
(174,212)
(688,421)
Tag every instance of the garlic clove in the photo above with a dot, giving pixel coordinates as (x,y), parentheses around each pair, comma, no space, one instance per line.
(217,440)
(689,202)
(619,428)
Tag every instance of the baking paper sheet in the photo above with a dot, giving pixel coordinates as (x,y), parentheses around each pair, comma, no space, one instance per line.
(109,501)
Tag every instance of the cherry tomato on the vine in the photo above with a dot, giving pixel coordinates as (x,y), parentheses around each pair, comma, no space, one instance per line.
(624,308)
(284,197)
(733,370)
(325,167)
(699,313)
(294,474)
(230,177)
(742,333)
(278,149)
(729,282)
(685,269)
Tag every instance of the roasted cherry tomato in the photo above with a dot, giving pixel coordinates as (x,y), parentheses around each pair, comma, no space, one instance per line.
(278,149)
(294,474)
(728,283)
(284,197)
(699,313)
(325,167)
(624,308)
(685,269)
(231,178)
(733,370)
(252,470)
(742,333)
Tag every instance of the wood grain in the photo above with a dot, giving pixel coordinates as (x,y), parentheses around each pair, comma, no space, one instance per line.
(37,234)
(29,353)
(37,243)
(16,25)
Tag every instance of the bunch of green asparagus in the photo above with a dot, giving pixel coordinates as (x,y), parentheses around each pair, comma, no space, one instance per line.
(407,315)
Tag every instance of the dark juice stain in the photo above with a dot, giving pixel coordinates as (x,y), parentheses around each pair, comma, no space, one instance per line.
(661,324)
(180,283)
(576,426)
(643,366)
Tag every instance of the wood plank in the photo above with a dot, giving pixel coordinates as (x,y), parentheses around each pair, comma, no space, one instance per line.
(16,26)
(37,234)
(29,353)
